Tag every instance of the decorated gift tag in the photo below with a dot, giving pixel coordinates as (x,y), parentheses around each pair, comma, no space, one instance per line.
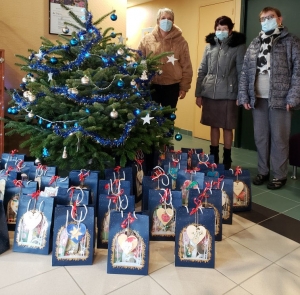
(162,209)
(128,246)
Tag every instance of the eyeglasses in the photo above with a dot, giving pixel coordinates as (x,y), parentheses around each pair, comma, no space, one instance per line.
(262,19)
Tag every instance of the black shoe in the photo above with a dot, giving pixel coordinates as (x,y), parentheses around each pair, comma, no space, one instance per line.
(276,183)
(260,179)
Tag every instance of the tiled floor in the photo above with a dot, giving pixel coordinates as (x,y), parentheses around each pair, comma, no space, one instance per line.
(259,254)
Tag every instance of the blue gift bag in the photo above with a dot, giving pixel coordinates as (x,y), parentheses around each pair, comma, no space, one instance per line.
(121,174)
(4,237)
(159,180)
(51,186)
(187,179)
(162,210)
(195,237)
(12,156)
(73,194)
(242,197)
(107,204)
(128,244)
(39,171)
(13,190)
(226,187)
(88,180)
(21,168)
(33,226)
(209,199)
(73,235)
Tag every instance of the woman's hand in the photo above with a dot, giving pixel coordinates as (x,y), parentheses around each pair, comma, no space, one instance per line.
(182,94)
(247,106)
(199,101)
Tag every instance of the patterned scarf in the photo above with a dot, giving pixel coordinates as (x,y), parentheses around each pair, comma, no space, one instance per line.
(263,59)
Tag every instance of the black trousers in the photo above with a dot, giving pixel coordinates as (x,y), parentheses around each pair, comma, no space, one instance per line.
(165,95)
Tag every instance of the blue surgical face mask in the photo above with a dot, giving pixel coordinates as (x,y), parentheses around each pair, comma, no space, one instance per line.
(221,35)
(165,25)
(269,25)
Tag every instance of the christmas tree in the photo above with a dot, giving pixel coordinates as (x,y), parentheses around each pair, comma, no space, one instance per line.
(85,101)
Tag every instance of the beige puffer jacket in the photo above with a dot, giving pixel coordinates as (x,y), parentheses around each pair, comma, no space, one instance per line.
(181,72)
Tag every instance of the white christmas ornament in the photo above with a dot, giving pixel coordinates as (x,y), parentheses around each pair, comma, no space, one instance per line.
(85,80)
(50,76)
(24,79)
(64,155)
(31,114)
(147,119)
(31,97)
(120,51)
(114,114)
(144,75)
(32,79)
(26,93)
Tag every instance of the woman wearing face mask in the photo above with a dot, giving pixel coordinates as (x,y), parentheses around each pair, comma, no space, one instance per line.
(217,84)
(176,77)
(270,87)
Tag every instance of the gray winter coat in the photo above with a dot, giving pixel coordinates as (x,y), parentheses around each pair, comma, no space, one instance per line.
(220,68)
(284,73)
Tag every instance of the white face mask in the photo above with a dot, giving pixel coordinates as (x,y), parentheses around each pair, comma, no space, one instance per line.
(221,35)
(166,25)
(269,25)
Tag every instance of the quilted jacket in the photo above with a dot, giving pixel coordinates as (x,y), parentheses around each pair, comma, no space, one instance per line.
(220,67)
(284,73)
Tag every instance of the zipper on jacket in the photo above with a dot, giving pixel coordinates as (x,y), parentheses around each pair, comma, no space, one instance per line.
(217,71)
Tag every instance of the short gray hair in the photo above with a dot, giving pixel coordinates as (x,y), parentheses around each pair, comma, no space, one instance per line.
(167,10)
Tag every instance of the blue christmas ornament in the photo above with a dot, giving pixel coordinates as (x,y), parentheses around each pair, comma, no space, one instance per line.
(178,136)
(82,37)
(172,117)
(29,75)
(135,64)
(76,125)
(23,85)
(113,17)
(136,112)
(73,42)
(65,126)
(45,153)
(113,35)
(53,60)
(120,83)
(40,121)
(49,125)
(9,110)
(14,111)
(87,111)
(104,59)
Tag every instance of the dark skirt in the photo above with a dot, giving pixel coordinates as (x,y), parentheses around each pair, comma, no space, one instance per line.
(219,113)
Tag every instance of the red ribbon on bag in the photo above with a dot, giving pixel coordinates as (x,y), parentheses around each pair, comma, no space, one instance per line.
(198,204)
(117,169)
(114,198)
(53,179)
(83,175)
(127,221)
(35,195)
(192,170)
(13,152)
(74,210)
(238,170)
(17,183)
(157,173)
(165,196)
(218,182)
(10,168)
(19,165)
